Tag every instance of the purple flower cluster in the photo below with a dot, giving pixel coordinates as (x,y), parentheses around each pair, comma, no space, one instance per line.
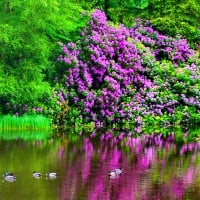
(175,49)
(18,109)
(115,73)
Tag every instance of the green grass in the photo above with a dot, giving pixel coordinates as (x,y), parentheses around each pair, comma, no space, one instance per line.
(28,122)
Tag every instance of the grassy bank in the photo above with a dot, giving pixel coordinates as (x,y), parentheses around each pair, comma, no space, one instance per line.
(32,122)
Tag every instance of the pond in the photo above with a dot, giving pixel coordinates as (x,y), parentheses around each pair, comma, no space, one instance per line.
(153,168)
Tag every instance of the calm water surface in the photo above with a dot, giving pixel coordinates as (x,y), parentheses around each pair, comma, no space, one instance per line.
(154,168)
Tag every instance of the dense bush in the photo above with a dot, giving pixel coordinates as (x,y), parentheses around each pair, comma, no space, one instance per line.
(117,74)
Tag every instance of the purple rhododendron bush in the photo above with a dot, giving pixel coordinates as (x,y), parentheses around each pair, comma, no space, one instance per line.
(116,74)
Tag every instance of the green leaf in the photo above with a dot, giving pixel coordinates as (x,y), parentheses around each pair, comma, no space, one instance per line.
(140,4)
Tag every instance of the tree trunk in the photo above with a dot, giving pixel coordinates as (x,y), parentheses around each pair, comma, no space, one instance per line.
(106,7)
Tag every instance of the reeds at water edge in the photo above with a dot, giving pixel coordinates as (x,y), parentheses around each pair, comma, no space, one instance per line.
(27,122)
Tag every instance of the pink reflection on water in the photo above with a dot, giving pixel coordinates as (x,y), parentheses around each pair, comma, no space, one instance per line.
(189,175)
(61,152)
(151,170)
(98,191)
(176,189)
(88,149)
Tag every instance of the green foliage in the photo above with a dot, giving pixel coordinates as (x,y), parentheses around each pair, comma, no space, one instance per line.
(116,3)
(61,114)
(24,90)
(141,4)
(194,116)
(176,17)
(73,116)
(29,31)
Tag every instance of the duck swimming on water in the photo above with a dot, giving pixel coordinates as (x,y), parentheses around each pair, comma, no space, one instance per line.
(9,177)
(118,171)
(36,174)
(51,175)
(115,172)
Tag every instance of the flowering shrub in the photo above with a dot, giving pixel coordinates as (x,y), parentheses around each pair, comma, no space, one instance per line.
(174,49)
(116,74)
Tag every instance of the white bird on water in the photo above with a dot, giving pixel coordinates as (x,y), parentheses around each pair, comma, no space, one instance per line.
(115,172)
(51,175)
(9,177)
(36,174)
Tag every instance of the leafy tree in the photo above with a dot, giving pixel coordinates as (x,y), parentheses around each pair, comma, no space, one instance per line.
(29,31)
(140,4)
(171,17)
(177,17)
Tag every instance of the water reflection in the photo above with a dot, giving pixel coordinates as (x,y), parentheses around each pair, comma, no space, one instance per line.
(153,168)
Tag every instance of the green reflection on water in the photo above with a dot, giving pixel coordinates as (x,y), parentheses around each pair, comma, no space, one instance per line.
(24,135)
(37,153)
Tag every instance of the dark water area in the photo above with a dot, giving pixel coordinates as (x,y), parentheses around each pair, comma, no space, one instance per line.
(153,168)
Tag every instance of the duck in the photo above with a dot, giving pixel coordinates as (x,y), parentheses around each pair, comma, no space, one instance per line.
(118,171)
(51,175)
(115,172)
(9,177)
(36,174)
(112,173)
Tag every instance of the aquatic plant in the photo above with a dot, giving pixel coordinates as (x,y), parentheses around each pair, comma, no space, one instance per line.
(29,122)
